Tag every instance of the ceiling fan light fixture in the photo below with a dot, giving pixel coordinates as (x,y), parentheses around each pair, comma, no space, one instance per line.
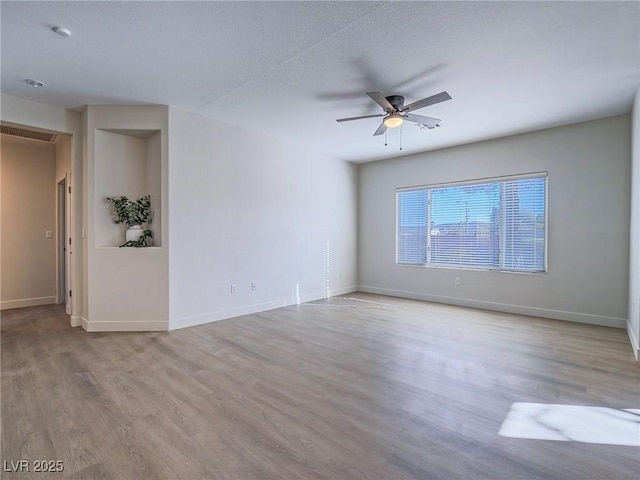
(62,31)
(394,120)
(34,83)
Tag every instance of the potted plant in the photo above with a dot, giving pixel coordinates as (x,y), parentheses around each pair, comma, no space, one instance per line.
(133,214)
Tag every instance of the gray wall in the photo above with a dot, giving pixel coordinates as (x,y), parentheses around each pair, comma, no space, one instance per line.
(588,223)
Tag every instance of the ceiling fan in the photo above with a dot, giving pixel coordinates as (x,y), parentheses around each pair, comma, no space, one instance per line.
(396,112)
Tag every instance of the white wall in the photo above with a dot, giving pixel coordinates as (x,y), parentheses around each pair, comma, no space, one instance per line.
(127,288)
(64,146)
(633,326)
(63,157)
(588,221)
(28,203)
(156,186)
(245,208)
(32,114)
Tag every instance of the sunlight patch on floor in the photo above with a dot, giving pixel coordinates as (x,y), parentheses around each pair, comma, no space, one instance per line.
(573,423)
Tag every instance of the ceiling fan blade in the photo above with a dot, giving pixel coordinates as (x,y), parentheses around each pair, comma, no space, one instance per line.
(381,100)
(425,102)
(381,129)
(428,121)
(359,118)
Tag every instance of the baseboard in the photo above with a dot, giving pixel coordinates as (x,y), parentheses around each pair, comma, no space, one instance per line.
(192,321)
(76,321)
(28,302)
(503,307)
(124,326)
(162,326)
(634,341)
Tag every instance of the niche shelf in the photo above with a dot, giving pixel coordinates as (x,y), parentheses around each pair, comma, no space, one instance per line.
(126,162)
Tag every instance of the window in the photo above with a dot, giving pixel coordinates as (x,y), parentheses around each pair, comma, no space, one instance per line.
(497,224)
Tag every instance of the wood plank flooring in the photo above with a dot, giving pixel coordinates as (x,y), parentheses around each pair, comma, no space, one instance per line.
(354,387)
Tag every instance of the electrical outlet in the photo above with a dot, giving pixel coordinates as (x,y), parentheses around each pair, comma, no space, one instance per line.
(253,286)
(233,288)
(457,281)
(48,234)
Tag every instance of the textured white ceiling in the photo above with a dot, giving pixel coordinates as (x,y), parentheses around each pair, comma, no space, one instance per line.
(289,69)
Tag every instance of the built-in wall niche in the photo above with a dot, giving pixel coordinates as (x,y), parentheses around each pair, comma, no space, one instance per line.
(126,162)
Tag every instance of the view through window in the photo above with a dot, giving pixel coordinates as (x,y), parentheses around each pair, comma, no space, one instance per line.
(491,224)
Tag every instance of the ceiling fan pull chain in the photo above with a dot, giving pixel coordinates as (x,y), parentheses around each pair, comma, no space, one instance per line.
(385,138)
(400,137)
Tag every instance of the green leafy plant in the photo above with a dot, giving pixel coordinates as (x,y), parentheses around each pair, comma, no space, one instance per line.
(133,213)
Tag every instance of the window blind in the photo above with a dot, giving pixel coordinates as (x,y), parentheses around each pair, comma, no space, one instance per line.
(493,224)
(412,228)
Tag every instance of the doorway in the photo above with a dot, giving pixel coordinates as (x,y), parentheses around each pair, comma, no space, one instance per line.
(37,184)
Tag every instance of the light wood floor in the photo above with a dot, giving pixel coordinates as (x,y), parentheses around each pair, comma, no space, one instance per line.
(360,386)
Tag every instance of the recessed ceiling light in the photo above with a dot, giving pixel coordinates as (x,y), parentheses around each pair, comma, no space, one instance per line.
(63,32)
(34,83)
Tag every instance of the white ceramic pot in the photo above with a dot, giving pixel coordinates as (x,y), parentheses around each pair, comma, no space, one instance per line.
(133,233)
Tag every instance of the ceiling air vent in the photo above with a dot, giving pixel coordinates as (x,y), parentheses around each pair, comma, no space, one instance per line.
(24,133)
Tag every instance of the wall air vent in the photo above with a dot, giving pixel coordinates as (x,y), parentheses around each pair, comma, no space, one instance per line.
(31,134)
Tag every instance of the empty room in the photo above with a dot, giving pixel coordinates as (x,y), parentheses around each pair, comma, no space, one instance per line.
(320,240)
